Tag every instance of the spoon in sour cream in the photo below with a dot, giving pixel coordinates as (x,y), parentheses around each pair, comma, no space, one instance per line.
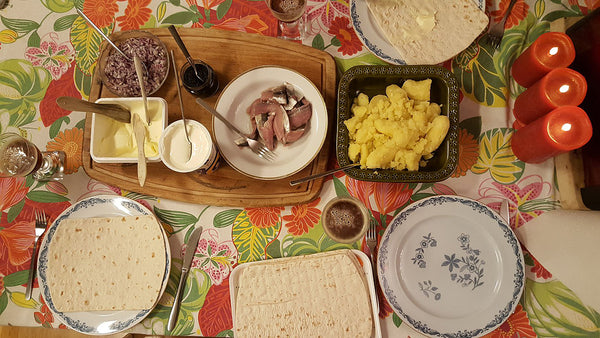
(188,150)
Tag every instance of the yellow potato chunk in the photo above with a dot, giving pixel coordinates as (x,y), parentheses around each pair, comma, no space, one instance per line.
(398,130)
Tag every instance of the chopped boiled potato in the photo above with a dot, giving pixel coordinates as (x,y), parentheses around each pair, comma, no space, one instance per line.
(398,130)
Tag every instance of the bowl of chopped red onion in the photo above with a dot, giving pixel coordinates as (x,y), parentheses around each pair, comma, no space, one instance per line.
(117,72)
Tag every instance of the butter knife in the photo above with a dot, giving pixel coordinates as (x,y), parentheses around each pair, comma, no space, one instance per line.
(185,267)
(504,211)
(139,130)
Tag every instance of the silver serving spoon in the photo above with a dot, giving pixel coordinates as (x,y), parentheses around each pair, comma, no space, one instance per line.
(177,84)
(105,37)
(184,50)
(325,173)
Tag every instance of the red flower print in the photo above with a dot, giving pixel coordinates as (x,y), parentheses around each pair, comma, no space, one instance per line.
(44,317)
(517,14)
(215,315)
(137,14)
(360,189)
(211,3)
(325,11)
(343,31)
(468,152)
(249,24)
(389,197)
(101,12)
(12,191)
(264,217)
(303,218)
(64,86)
(517,325)
(539,270)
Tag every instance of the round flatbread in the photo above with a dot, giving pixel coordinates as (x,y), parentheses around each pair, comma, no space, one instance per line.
(428,31)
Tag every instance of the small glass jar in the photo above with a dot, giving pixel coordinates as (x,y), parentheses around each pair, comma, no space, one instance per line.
(204,86)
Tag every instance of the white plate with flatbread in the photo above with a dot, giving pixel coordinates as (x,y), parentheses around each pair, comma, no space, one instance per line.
(309,295)
(377,41)
(239,94)
(103,240)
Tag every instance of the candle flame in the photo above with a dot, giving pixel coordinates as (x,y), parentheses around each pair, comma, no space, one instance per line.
(564,88)
(553,50)
(566,127)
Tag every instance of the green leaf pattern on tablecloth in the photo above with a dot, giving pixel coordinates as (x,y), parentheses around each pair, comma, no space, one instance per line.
(22,86)
(555,311)
(86,42)
(496,156)
(251,241)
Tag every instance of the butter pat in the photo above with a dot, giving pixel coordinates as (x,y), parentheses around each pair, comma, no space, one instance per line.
(114,142)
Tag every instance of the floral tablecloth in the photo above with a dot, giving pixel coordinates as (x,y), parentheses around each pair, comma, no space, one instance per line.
(44,54)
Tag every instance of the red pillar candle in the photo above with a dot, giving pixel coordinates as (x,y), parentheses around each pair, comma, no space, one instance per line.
(560,87)
(550,50)
(561,130)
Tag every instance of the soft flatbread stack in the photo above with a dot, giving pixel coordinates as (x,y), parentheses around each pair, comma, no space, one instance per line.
(428,31)
(111,263)
(323,295)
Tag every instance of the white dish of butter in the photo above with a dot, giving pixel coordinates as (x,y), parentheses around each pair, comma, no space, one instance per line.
(114,142)
(173,146)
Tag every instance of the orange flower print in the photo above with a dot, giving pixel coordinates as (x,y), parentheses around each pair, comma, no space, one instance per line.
(15,240)
(44,317)
(137,14)
(249,24)
(101,12)
(517,325)
(343,31)
(264,217)
(70,142)
(468,151)
(389,197)
(303,218)
(12,191)
(517,14)
(360,189)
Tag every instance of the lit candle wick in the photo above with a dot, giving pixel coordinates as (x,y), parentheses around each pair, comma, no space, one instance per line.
(553,50)
(566,127)
(564,88)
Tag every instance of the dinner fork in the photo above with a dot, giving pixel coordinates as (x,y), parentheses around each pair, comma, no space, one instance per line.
(257,147)
(494,36)
(371,241)
(40,228)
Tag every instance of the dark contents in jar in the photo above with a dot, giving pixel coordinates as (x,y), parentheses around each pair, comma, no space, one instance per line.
(120,71)
(206,85)
(344,220)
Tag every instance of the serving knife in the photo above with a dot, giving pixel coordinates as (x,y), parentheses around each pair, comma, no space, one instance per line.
(185,267)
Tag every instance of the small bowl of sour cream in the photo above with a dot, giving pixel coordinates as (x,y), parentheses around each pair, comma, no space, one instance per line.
(203,157)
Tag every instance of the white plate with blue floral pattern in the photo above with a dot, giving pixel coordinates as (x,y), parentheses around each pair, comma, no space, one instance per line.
(97,322)
(451,267)
(366,27)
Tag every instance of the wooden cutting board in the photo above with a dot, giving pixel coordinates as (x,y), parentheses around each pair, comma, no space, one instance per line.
(230,54)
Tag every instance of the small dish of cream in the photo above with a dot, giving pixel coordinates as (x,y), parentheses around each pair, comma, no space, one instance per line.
(174,148)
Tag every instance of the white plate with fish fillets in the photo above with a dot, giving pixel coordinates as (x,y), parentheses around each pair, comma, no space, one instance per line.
(233,103)
(451,267)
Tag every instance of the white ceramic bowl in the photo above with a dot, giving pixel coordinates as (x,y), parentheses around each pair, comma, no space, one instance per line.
(173,147)
(114,142)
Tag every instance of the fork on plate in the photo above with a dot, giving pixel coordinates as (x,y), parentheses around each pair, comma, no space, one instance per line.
(494,36)
(40,228)
(256,146)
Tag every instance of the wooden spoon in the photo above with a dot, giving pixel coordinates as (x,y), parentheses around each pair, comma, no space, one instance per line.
(114,111)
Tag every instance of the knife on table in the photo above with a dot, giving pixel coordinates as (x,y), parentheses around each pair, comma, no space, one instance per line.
(185,267)
(139,130)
